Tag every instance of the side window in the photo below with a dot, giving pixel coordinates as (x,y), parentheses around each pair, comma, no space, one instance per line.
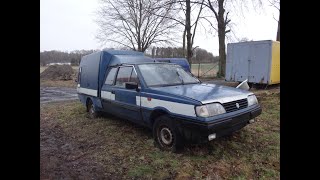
(126,74)
(110,76)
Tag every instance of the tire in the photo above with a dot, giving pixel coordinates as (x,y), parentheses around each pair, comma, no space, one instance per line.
(92,113)
(166,135)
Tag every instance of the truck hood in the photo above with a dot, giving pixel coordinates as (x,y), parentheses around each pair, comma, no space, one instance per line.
(206,93)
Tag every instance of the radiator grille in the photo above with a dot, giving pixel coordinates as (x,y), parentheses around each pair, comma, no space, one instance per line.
(231,106)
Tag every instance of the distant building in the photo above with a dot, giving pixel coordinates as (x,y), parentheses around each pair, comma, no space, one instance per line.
(58,64)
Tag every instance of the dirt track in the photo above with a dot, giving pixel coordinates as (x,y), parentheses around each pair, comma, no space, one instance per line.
(65,156)
(53,94)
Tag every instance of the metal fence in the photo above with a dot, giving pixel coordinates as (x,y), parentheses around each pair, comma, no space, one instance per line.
(205,70)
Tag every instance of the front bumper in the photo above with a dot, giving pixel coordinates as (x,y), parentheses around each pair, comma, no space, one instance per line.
(199,131)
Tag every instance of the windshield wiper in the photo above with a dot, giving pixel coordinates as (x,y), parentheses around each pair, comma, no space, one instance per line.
(180,77)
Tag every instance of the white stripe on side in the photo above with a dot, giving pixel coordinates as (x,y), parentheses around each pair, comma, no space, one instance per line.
(90,92)
(177,108)
(107,95)
(138,101)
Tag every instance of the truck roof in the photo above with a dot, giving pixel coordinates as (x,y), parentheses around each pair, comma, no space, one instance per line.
(130,59)
(114,57)
(122,52)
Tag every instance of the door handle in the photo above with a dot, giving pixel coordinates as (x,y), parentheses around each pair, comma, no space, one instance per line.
(112,92)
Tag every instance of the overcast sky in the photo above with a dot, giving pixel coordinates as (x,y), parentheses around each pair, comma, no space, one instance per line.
(68,25)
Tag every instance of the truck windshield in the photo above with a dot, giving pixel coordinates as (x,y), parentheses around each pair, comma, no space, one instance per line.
(165,75)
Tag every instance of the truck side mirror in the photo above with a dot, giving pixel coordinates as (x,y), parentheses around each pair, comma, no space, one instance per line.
(131,85)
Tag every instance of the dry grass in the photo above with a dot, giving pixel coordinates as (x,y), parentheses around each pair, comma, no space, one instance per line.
(42,68)
(58,83)
(124,150)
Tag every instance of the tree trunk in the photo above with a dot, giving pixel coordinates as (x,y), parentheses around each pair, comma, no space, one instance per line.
(278,32)
(198,69)
(222,52)
(184,43)
(221,36)
(153,52)
(140,47)
(188,31)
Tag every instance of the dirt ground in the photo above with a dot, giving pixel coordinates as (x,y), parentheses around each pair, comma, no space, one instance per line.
(58,72)
(75,147)
(57,82)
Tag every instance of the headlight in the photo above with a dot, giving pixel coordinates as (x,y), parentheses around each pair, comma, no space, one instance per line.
(210,110)
(252,100)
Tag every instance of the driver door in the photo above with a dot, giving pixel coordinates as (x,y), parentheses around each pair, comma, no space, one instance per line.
(127,101)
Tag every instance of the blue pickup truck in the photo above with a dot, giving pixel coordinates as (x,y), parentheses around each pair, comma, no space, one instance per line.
(175,105)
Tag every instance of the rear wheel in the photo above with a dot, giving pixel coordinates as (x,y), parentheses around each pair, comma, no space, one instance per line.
(166,134)
(92,113)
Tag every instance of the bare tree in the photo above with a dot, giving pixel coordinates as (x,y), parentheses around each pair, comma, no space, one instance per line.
(134,24)
(276,4)
(217,7)
(189,25)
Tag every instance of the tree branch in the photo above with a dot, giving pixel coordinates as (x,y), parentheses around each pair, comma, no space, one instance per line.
(226,21)
(133,23)
(212,9)
(274,4)
(120,43)
(209,23)
(196,23)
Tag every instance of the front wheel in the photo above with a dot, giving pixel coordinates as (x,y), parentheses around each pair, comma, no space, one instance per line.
(166,134)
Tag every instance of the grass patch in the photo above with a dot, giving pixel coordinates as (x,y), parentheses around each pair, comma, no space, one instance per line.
(141,171)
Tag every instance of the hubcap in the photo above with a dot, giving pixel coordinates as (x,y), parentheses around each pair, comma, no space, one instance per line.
(166,136)
(91,109)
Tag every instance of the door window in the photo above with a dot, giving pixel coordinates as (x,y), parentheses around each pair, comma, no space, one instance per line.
(126,74)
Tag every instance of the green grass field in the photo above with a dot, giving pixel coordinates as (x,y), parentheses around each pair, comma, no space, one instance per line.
(126,151)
